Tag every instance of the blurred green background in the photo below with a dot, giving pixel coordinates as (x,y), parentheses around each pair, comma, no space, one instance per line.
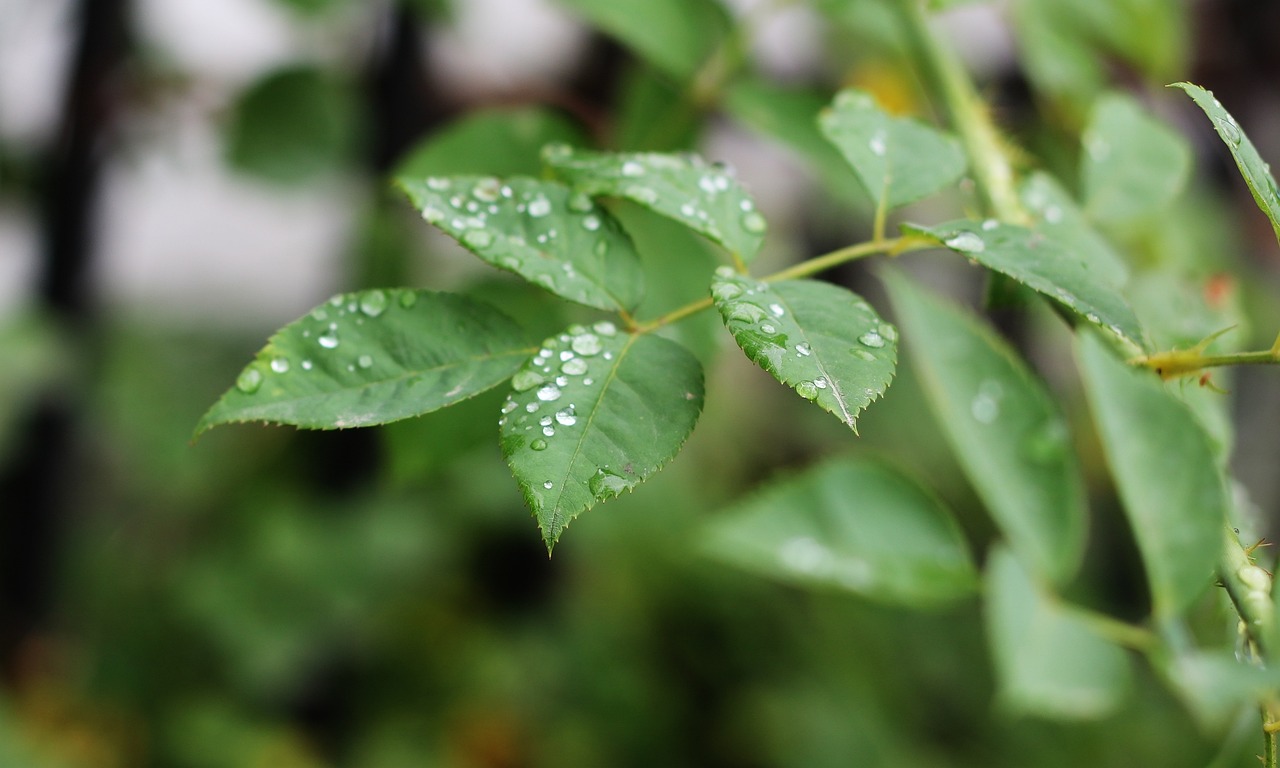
(178,178)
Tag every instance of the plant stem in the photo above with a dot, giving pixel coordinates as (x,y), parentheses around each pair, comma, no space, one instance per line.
(891,247)
(1116,631)
(968,115)
(1251,599)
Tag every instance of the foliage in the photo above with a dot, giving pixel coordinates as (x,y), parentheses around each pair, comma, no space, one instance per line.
(1018,541)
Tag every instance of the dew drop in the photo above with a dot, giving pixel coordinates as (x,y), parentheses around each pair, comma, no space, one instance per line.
(863,354)
(726,291)
(373,303)
(820,383)
(605,484)
(566,417)
(509,406)
(989,225)
(487,189)
(746,312)
(575,367)
(769,329)
(985,406)
(532,407)
(591,223)
(408,299)
(432,214)
(877,144)
(777,310)
(642,195)
(329,340)
(807,390)
(365,361)
(548,393)
(588,381)
(526,379)
(539,207)
(605,328)
(306,365)
(549,431)
(871,339)
(965,242)
(632,168)
(249,380)
(889,332)
(280,365)
(538,445)
(586,344)
(803,350)
(1229,130)
(477,238)
(548,485)
(754,223)
(319,313)
(438,184)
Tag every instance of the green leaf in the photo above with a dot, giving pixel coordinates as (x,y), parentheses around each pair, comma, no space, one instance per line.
(1048,660)
(821,340)
(1165,469)
(1215,686)
(1040,262)
(703,197)
(292,125)
(1256,172)
(374,357)
(1004,428)
(1133,164)
(787,115)
(540,230)
(1058,216)
(500,142)
(594,413)
(897,159)
(852,525)
(677,36)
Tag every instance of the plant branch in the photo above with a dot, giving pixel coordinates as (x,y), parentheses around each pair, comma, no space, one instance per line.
(891,247)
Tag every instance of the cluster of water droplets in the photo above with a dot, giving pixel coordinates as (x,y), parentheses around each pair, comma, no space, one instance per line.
(511,224)
(544,405)
(321,335)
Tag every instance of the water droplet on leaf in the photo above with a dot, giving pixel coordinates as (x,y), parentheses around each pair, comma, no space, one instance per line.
(280,365)
(575,367)
(871,339)
(548,393)
(754,223)
(249,380)
(477,238)
(538,445)
(329,340)
(605,484)
(373,303)
(965,242)
(586,344)
(526,379)
(807,390)
(365,361)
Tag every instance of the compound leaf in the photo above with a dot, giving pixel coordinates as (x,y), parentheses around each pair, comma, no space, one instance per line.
(540,230)
(373,357)
(592,414)
(898,159)
(852,525)
(703,197)
(1004,428)
(821,340)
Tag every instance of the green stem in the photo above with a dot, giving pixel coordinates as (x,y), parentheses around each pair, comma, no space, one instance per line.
(1116,631)
(968,115)
(1249,588)
(891,247)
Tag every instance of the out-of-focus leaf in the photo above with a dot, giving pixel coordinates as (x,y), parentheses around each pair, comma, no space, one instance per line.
(1004,427)
(500,142)
(677,36)
(897,159)
(703,197)
(1166,472)
(1256,172)
(1048,660)
(1059,217)
(1038,261)
(787,115)
(1133,164)
(540,230)
(373,357)
(1216,687)
(854,526)
(594,413)
(653,115)
(821,340)
(292,124)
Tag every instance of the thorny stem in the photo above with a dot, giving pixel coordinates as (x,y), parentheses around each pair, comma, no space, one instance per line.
(968,115)
(891,247)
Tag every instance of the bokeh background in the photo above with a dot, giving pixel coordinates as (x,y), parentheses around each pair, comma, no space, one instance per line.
(178,178)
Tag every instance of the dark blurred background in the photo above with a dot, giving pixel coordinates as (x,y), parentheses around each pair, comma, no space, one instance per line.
(178,178)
